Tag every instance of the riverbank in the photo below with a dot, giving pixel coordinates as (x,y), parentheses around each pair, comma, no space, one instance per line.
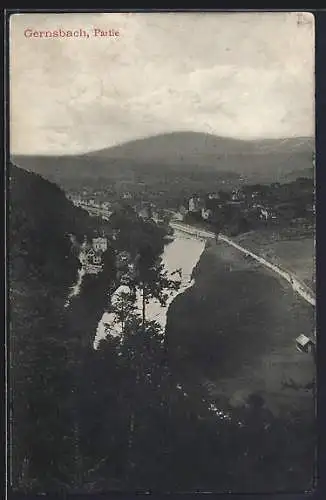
(180,254)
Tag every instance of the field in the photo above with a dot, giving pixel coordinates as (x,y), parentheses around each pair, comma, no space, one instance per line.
(293,252)
(235,330)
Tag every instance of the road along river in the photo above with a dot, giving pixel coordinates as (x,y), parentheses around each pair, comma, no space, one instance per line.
(299,287)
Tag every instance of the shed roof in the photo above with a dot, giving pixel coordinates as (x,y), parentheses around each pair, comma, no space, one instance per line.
(303,339)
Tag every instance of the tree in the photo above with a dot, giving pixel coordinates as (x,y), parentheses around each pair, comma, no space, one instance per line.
(152,279)
(144,241)
(141,343)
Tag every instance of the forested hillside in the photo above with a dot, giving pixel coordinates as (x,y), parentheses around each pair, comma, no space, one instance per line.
(42,267)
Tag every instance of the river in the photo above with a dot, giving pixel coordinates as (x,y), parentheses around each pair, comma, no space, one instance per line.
(248,319)
(182,254)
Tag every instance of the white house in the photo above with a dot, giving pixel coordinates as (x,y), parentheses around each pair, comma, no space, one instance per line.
(195,204)
(92,261)
(266,213)
(100,244)
(192,205)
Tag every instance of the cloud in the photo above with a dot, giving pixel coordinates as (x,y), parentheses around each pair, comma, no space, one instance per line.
(238,75)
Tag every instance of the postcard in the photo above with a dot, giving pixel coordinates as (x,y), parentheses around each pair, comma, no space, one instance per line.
(161,252)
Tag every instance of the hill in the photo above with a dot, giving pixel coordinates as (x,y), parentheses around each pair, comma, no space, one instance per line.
(42,268)
(190,147)
(180,152)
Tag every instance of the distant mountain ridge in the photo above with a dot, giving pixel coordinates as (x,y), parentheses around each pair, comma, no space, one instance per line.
(167,148)
(259,160)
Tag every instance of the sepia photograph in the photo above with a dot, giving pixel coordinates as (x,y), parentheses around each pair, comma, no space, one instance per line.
(161,252)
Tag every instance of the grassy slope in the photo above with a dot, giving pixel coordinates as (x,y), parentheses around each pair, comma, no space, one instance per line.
(295,254)
(237,327)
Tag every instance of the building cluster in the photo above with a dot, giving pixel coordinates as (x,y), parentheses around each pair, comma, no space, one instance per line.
(205,207)
(149,211)
(91,255)
(235,210)
(81,200)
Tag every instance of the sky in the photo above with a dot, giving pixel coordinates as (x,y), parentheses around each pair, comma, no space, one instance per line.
(239,75)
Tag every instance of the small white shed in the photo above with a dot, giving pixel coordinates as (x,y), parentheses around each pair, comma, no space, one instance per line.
(304,343)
